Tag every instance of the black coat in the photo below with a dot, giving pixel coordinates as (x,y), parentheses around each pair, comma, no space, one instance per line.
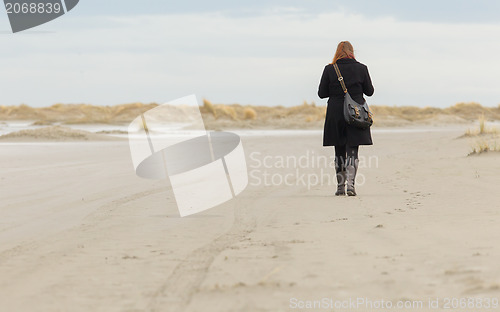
(357,79)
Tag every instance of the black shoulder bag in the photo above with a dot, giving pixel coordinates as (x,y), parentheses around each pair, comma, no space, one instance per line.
(358,115)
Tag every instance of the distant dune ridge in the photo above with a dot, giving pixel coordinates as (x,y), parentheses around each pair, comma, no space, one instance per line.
(223,116)
(55,133)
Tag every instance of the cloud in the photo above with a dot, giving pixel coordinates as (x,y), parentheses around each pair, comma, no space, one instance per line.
(460,11)
(271,59)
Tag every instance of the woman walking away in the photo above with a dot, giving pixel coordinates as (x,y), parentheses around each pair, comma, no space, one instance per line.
(346,138)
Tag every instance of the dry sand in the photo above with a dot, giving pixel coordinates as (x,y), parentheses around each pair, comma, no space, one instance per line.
(80,232)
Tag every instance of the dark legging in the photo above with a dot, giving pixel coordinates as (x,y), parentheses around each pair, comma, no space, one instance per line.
(344,154)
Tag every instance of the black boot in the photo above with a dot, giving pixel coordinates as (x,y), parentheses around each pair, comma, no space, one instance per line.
(351,170)
(341,174)
(341,178)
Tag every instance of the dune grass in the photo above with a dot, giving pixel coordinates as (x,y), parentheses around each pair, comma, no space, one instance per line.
(483,146)
(249,113)
(487,143)
(232,115)
(482,129)
(208,108)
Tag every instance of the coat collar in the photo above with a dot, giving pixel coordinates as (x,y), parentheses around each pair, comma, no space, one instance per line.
(346,61)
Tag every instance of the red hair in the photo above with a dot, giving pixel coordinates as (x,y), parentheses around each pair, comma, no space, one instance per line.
(344,49)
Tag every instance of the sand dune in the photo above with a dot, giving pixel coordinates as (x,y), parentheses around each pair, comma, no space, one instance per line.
(223,116)
(55,133)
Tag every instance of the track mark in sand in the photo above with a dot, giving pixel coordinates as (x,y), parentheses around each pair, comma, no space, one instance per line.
(177,291)
(472,281)
(132,197)
(412,201)
(106,209)
(31,245)
(478,287)
(415,200)
(336,220)
(266,277)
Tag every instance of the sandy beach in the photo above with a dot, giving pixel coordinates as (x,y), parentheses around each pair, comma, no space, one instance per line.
(79,231)
(167,156)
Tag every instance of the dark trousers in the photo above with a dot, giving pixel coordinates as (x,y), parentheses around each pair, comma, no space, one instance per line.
(345,155)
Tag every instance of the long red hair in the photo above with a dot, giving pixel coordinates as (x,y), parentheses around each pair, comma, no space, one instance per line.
(344,49)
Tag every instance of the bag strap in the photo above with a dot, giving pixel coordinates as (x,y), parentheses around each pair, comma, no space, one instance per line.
(341,79)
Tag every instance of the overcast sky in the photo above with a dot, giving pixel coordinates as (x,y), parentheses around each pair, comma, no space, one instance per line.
(106,52)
